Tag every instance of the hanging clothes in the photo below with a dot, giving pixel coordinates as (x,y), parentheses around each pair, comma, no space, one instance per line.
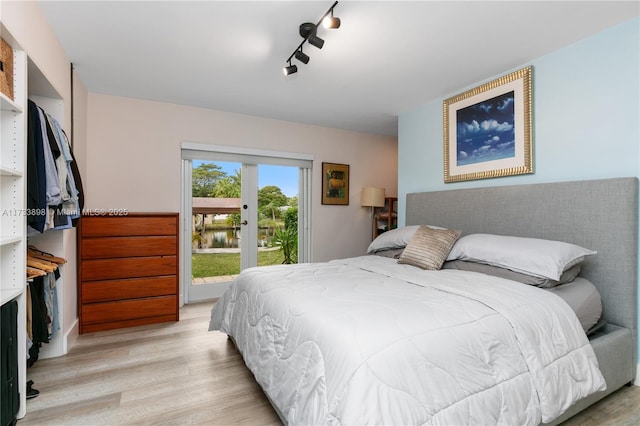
(42,298)
(54,197)
(39,327)
(75,173)
(36,176)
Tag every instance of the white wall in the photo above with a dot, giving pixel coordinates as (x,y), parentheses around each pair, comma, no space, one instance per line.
(133,161)
(586,113)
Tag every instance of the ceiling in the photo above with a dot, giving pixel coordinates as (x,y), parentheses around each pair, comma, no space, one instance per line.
(387,56)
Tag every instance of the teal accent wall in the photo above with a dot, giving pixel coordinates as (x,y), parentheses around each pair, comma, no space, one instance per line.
(586,119)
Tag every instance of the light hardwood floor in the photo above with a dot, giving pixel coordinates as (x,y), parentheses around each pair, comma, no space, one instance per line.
(181,374)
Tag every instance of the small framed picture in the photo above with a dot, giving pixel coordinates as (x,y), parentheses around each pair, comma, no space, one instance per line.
(335,184)
(488,130)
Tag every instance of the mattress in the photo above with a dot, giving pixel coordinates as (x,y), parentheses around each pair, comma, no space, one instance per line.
(584,299)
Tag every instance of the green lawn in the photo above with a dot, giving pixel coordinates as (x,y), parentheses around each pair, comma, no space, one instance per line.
(215,264)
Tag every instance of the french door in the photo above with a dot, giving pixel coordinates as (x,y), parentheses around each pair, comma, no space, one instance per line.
(232,208)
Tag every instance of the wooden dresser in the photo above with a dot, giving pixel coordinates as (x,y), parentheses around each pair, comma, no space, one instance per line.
(127,270)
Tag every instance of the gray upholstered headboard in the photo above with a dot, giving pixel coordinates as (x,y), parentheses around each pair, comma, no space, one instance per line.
(598,214)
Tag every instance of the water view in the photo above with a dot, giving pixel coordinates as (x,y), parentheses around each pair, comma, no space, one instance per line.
(230,238)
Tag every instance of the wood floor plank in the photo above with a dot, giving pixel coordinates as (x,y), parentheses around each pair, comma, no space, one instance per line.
(92,411)
(181,374)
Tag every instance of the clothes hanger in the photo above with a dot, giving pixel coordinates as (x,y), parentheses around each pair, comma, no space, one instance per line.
(34,273)
(39,254)
(41,264)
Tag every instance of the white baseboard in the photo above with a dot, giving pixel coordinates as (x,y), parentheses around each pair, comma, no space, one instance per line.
(60,344)
(72,335)
(206,292)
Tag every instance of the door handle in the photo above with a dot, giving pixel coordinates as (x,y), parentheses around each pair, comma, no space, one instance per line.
(244,222)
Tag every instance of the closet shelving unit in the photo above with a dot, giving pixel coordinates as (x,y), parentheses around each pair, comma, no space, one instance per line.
(56,242)
(28,83)
(13,238)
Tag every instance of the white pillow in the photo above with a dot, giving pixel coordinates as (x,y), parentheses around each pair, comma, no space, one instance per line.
(543,258)
(395,238)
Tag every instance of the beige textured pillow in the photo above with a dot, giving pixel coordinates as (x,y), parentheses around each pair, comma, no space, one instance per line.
(429,247)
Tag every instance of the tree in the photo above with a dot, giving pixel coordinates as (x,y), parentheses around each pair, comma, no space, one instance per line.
(291,218)
(233,220)
(204,179)
(270,199)
(229,186)
(271,194)
(197,238)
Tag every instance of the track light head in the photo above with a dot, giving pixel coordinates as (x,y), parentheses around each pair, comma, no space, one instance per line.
(316,41)
(301,56)
(330,21)
(290,69)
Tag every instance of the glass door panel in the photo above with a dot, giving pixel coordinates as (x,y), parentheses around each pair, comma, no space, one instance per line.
(242,215)
(216,188)
(277,214)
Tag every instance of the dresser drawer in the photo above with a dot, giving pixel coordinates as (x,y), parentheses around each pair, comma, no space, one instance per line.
(132,288)
(105,226)
(124,310)
(127,267)
(97,248)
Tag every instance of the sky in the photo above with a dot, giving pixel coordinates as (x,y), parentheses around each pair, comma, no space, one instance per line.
(284,177)
(485,131)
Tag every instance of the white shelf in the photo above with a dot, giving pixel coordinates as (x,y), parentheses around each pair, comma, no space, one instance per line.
(7,104)
(7,295)
(8,171)
(10,239)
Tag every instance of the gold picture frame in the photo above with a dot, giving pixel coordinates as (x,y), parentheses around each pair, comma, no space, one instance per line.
(335,184)
(488,130)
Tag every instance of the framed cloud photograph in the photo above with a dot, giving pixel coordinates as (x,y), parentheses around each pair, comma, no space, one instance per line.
(488,130)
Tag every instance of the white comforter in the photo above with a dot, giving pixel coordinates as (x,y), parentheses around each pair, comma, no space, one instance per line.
(368,341)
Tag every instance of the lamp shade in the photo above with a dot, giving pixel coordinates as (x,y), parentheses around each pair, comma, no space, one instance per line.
(372,197)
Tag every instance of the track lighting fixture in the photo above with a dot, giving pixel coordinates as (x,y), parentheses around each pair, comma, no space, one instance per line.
(290,69)
(308,31)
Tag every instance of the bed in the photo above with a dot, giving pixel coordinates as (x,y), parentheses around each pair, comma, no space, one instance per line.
(372,340)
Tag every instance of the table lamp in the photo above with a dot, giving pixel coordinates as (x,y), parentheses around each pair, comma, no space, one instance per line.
(372,197)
